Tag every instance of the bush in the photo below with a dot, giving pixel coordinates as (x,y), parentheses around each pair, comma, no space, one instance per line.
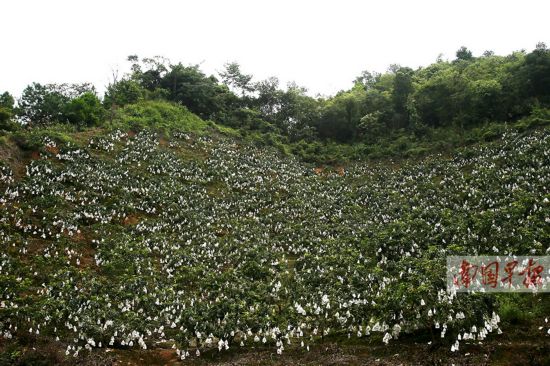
(159,115)
(512,308)
(123,92)
(32,140)
(539,117)
(493,132)
(417,151)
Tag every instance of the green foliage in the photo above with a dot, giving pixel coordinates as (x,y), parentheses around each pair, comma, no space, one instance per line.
(33,139)
(5,117)
(202,95)
(123,92)
(464,54)
(85,110)
(10,355)
(513,307)
(7,102)
(159,115)
(232,76)
(402,89)
(244,118)
(402,112)
(535,73)
(341,116)
(6,110)
(539,117)
(42,105)
(371,126)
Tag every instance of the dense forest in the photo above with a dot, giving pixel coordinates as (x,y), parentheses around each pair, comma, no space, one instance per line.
(400,112)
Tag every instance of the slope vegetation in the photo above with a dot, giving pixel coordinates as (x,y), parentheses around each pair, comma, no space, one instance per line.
(197,242)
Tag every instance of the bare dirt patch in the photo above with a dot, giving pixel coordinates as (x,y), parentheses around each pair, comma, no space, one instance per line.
(130,220)
(52,149)
(11,154)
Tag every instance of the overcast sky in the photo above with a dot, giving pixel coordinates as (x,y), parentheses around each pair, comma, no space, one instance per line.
(322,45)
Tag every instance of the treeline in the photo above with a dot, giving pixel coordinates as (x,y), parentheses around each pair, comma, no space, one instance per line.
(459,94)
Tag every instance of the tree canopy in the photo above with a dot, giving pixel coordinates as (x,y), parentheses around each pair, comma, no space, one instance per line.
(460,94)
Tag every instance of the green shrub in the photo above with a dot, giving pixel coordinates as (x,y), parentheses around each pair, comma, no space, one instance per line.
(33,139)
(516,308)
(512,313)
(158,115)
(5,116)
(539,117)
(417,151)
(492,132)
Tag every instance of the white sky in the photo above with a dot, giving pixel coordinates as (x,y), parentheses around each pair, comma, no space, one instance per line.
(322,45)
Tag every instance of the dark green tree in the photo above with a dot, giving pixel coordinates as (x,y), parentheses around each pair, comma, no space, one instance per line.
(298,113)
(535,74)
(464,54)
(45,104)
(6,109)
(342,114)
(202,94)
(42,104)
(367,79)
(85,110)
(402,89)
(268,101)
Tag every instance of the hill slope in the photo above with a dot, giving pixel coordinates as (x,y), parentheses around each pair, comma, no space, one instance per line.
(200,241)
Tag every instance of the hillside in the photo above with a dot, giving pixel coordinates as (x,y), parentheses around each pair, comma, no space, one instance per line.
(125,242)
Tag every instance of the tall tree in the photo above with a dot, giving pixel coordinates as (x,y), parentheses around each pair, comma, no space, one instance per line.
(189,86)
(269,96)
(85,110)
(232,76)
(402,89)
(42,104)
(535,74)
(464,54)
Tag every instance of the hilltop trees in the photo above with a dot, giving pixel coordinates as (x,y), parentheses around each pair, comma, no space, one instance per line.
(157,78)
(202,94)
(454,95)
(47,104)
(535,74)
(41,104)
(467,92)
(446,97)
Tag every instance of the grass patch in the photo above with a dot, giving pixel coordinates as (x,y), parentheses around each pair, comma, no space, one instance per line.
(160,115)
